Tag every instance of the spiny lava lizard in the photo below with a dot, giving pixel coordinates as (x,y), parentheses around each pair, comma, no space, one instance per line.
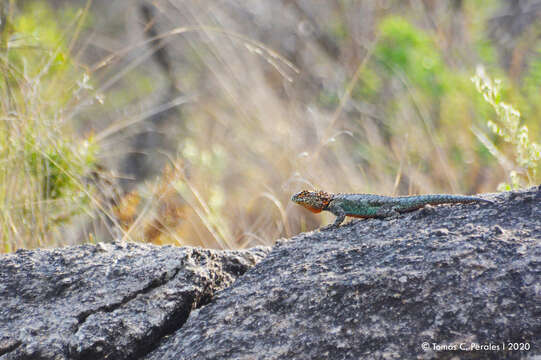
(372,206)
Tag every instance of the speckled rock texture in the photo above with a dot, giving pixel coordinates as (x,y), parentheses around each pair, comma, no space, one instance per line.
(378,289)
(113,301)
(371,289)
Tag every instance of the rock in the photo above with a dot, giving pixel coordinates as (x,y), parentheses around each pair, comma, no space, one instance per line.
(379,290)
(440,232)
(112,301)
(374,289)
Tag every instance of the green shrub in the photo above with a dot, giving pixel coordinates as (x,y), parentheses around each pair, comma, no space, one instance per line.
(508,126)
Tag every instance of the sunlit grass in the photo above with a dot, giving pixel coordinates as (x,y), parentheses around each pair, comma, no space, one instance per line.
(43,163)
(253,127)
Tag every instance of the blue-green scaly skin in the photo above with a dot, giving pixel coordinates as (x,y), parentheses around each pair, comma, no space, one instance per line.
(373,206)
(368,205)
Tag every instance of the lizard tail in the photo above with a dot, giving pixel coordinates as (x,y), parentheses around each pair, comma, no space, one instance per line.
(455,199)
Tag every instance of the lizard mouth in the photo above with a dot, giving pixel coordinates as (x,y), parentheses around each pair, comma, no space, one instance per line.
(298,201)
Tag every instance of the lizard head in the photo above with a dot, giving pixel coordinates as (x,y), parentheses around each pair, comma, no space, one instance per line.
(314,201)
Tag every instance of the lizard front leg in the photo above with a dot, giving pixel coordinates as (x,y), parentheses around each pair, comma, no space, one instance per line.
(340,216)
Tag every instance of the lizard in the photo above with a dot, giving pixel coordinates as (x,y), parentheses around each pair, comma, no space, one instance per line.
(372,206)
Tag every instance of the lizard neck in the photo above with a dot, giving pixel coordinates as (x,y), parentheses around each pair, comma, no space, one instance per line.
(320,202)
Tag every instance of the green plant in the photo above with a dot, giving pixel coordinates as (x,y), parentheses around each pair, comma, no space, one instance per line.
(43,164)
(406,49)
(508,127)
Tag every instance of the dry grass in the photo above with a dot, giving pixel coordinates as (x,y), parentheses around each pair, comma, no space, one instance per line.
(257,123)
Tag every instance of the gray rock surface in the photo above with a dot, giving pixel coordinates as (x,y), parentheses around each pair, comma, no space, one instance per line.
(372,289)
(112,301)
(378,289)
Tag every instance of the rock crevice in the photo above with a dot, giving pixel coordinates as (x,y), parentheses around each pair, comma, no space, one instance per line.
(107,301)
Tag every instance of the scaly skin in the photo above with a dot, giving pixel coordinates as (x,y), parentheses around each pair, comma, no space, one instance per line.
(372,206)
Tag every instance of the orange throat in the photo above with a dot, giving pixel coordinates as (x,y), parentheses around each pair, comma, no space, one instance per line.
(312,209)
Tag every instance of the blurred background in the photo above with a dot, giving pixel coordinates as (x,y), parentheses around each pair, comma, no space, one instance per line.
(193,122)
